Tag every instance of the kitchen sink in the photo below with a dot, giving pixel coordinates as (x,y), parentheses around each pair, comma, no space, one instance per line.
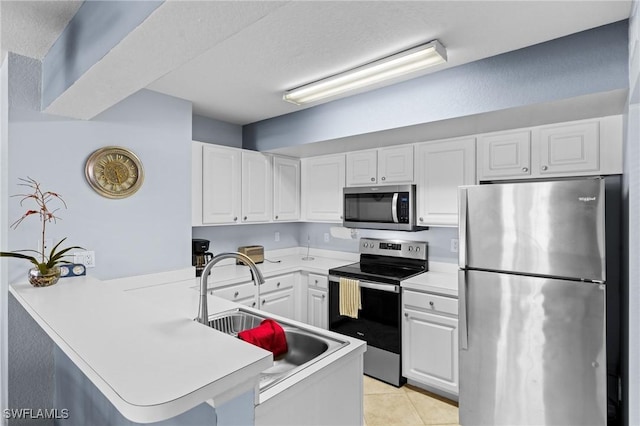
(305,345)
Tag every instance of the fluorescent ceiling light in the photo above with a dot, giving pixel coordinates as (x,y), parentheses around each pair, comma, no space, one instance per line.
(402,63)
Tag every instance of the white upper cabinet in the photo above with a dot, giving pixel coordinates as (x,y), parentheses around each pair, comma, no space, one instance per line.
(286,189)
(380,166)
(362,167)
(256,187)
(577,148)
(221,177)
(323,179)
(441,167)
(504,154)
(569,148)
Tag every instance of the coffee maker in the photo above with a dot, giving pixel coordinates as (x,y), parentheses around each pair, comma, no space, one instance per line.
(200,255)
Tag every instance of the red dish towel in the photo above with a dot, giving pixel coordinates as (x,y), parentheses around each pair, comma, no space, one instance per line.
(268,335)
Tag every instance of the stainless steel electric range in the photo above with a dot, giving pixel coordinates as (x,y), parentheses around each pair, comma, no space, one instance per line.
(383,265)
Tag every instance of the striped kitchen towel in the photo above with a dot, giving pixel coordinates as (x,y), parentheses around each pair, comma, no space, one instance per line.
(350,297)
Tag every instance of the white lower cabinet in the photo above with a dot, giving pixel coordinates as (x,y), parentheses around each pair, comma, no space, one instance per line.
(430,341)
(318,301)
(277,296)
(243,293)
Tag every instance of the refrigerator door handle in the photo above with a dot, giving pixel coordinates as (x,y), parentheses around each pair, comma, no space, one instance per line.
(462,227)
(462,310)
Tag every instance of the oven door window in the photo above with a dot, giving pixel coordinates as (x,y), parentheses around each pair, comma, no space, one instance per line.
(378,322)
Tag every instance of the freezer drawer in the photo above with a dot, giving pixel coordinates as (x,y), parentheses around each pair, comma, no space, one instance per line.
(535,351)
(552,229)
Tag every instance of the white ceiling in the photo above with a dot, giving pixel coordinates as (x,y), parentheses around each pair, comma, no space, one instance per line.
(240,77)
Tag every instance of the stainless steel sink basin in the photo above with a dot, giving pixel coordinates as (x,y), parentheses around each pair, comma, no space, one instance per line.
(305,346)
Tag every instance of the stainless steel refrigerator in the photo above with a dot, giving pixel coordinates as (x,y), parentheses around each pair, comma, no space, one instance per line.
(538,302)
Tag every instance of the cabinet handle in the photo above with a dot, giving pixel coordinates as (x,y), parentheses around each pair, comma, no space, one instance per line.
(525,169)
(236,294)
(324,295)
(406,314)
(544,167)
(245,218)
(235,219)
(278,285)
(421,220)
(431,304)
(276,217)
(340,216)
(316,281)
(253,305)
(384,178)
(263,300)
(373,179)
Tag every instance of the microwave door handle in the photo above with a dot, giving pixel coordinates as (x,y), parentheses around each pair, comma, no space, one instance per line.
(394,207)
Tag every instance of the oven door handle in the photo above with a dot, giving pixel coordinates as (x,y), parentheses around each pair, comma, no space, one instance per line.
(391,288)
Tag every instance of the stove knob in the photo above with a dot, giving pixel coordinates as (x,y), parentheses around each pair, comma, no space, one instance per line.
(417,248)
(410,248)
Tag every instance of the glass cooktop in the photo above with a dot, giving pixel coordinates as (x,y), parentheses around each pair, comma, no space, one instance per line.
(383,273)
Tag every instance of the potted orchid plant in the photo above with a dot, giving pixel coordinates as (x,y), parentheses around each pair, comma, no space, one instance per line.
(47,270)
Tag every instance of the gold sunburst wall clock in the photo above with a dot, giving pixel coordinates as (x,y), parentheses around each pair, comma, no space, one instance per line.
(114,172)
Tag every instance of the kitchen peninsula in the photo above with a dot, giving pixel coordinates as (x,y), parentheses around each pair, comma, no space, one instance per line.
(141,348)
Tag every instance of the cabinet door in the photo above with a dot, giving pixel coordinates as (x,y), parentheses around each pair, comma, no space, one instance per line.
(256,187)
(220,184)
(362,167)
(322,184)
(286,189)
(317,308)
(504,155)
(430,349)
(569,148)
(395,164)
(196,183)
(442,166)
(279,302)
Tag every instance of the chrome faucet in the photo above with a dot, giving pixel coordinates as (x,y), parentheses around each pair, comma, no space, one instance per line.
(258,279)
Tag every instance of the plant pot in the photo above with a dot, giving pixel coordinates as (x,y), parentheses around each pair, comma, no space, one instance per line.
(38,279)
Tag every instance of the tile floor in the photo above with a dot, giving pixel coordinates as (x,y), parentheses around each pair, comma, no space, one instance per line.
(386,405)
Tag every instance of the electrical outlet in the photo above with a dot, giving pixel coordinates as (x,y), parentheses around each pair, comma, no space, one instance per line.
(87,258)
(277,237)
(326,237)
(454,245)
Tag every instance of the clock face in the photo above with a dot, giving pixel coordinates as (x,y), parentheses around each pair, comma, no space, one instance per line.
(114,172)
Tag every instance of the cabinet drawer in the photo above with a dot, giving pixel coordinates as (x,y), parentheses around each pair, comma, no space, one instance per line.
(277,283)
(235,292)
(430,302)
(319,281)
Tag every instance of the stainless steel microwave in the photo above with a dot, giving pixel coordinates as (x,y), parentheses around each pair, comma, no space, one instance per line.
(380,207)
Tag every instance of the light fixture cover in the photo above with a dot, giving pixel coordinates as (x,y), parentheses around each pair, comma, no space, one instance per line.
(411,60)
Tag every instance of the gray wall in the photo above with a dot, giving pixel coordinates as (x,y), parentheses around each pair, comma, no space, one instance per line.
(4,223)
(148,232)
(96,28)
(631,185)
(217,132)
(229,238)
(145,233)
(588,62)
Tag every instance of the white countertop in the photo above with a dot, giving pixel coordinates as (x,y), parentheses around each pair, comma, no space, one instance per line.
(442,278)
(136,340)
